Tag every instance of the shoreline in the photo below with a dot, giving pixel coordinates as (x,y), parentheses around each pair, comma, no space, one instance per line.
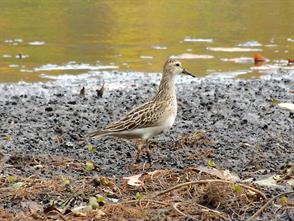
(122,80)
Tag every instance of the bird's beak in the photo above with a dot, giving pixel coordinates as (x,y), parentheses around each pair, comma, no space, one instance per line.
(187,72)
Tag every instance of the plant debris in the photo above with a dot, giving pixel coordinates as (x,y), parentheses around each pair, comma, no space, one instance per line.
(174,194)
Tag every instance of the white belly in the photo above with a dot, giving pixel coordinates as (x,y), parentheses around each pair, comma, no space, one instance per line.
(149,132)
(169,121)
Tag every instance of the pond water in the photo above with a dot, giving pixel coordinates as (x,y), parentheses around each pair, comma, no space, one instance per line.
(42,37)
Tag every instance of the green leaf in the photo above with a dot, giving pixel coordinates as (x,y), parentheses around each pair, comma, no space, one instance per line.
(100,199)
(65,180)
(93,202)
(104,181)
(52,202)
(275,102)
(237,188)
(7,138)
(17,185)
(64,204)
(11,179)
(91,148)
(139,196)
(284,200)
(210,164)
(89,166)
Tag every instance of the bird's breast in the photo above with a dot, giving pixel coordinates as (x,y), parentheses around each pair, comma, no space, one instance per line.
(170,117)
(169,122)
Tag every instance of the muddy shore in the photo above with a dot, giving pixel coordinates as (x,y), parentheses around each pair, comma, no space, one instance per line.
(236,123)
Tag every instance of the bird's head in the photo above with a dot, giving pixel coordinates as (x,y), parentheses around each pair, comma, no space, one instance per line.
(174,67)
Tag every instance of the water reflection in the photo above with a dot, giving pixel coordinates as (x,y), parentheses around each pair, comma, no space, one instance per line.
(140,35)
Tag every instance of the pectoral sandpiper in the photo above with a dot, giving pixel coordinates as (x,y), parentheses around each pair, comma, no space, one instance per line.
(153,117)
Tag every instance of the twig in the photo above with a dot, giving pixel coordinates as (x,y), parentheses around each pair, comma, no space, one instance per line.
(267,204)
(211,210)
(58,213)
(158,202)
(209,181)
(62,217)
(179,211)
(282,208)
(145,200)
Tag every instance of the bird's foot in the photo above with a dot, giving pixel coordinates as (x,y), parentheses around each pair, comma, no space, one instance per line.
(138,160)
(149,157)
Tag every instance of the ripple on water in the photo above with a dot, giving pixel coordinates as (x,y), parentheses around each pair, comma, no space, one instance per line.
(13,65)
(192,56)
(241,60)
(13,41)
(146,57)
(37,43)
(234,49)
(189,39)
(7,56)
(74,66)
(159,47)
(250,44)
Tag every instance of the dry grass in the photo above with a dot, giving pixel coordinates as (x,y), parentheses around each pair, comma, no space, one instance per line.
(211,200)
(166,195)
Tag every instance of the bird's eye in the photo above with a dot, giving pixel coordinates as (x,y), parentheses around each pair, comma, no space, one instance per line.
(177,64)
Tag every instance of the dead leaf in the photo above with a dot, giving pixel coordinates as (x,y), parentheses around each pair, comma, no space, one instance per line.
(82,92)
(99,214)
(222,174)
(100,91)
(32,206)
(135,180)
(50,209)
(259,58)
(86,210)
(289,106)
(81,210)
(268,181)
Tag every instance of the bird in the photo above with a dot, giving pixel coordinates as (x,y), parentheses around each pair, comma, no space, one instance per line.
(151,118)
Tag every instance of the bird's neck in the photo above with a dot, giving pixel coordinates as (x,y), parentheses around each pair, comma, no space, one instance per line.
(167,87)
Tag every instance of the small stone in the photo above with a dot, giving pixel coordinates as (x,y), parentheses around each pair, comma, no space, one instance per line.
(48,109)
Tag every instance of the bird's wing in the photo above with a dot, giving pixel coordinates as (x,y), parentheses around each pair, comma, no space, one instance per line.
(146,115)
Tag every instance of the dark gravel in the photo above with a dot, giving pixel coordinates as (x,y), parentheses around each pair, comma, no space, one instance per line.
(250,135)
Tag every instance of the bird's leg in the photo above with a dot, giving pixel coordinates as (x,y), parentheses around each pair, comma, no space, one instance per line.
(139,150)
(148,154)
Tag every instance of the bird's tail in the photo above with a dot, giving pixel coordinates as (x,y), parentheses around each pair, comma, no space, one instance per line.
(97,134)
